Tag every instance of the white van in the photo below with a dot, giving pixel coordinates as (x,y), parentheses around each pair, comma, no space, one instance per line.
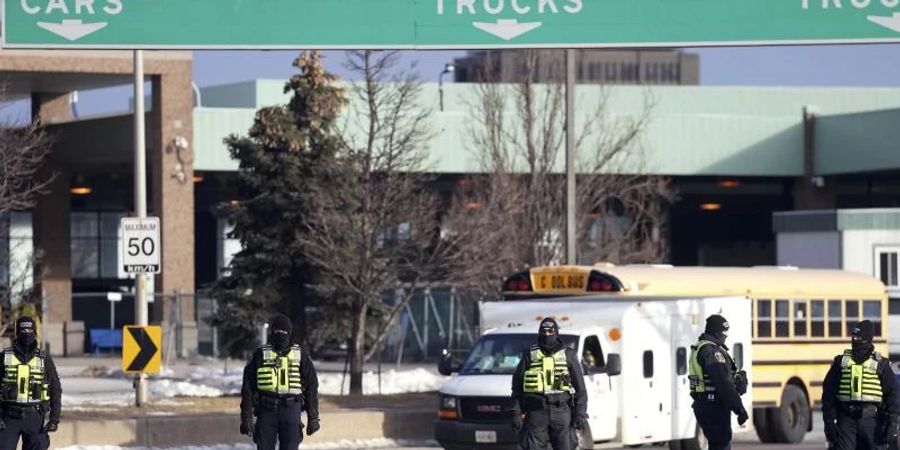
(634,352)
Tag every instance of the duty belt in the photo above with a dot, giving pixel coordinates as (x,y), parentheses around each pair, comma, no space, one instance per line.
(273,401)
(859,410)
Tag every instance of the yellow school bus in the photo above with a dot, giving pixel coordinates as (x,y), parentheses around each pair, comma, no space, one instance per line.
(801,319)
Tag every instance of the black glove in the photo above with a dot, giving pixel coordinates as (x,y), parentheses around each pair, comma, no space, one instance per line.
(312,426)
(246,426)
(740,382)
(580,422)
(52,426)
(742,417)
(517,422)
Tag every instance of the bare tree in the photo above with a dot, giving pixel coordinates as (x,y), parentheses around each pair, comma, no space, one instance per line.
(373,228)
(517,206)
(23,153)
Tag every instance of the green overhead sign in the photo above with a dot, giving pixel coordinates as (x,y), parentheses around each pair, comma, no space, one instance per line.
(442,24)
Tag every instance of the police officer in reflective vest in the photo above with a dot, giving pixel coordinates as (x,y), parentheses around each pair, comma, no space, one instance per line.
(279,382)
(548,386)
(29,392)
(716,384)
(859,402)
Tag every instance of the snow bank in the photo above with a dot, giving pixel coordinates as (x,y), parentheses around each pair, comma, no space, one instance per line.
(392,382)
(336,445)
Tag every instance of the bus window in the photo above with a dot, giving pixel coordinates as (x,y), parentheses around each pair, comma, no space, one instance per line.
(817,318)
(872,311)
(763,318)
(851,313)
(739,355)
(681,361)
(648,364)
(835,318)
(782,318)
(800,318)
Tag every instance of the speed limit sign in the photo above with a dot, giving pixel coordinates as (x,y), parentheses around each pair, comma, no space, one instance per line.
(140,245)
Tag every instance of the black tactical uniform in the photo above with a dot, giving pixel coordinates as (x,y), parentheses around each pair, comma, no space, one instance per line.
(30,390)
(716,384)
(859,402)
(279,382)
(548,387)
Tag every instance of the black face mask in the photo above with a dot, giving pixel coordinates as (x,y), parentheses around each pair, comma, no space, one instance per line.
(281,341)
(548,342)
(26,339)
(861,350)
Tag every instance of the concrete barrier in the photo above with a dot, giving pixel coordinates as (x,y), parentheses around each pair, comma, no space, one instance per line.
(183,430)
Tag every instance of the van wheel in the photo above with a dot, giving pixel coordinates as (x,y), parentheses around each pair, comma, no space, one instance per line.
(788,423)
(762,426)
(585,438)
(698,442)
(675,445)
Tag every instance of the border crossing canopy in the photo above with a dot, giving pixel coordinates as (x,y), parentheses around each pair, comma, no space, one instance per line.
(442,24)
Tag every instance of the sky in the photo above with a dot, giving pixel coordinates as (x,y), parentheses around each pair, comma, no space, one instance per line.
(846,65)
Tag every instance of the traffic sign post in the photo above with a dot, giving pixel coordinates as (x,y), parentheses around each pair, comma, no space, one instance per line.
(142,349)
(443,24)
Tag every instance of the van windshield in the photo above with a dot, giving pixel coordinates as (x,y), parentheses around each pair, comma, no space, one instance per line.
(499,354)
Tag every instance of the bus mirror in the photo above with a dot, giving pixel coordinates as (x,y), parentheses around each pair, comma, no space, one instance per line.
(613,364)
(446,364)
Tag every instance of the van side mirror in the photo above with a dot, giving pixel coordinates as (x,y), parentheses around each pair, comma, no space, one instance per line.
(613,364)
(447,365)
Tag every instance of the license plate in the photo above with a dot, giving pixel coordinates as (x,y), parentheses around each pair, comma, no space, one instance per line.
(486,437)
(560,282)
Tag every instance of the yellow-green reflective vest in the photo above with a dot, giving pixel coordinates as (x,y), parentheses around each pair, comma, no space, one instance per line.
(547,374)
(27,380)
(701,383)
(859,381)
(279,374)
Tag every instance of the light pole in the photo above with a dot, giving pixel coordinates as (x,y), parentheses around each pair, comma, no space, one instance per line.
(448,68)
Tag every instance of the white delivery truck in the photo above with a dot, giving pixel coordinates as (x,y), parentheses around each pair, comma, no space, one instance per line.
(634,351)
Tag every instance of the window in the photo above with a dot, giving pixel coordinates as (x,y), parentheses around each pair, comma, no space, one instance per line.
(782,318)
(681,361)
(648,364)
(763,318)
(851,313)
(835,317)
(593,354)
(886,262)
(739,355)
(872,312)
(894,306)
(817,318)
(95,245)
(800,318)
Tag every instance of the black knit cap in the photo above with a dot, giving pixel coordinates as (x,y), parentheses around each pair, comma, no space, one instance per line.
(716,324)
(25,325)
(549,323)
(281,322)
(864,331)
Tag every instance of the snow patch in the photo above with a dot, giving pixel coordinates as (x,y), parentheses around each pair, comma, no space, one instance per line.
(335,445)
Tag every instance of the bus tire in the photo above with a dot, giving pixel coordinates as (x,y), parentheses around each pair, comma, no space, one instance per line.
(698,442)
(585,438)
(762,426)
(788,422)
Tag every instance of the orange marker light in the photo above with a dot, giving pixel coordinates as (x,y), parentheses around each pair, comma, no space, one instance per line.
(615,334)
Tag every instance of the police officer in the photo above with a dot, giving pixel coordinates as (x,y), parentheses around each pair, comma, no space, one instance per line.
(716,384)
(29,390)
(548,386)
(859,402)
(279,382)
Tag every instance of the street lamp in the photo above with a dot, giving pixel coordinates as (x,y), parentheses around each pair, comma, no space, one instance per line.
(448,68)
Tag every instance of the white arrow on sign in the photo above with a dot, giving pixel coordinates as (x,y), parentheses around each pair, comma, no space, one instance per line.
(506,29)
(72,29)
(892,22)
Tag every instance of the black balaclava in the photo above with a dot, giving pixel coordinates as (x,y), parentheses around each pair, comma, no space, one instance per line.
(26,334)
(548,336)
(281,332)
(861,341)
(717,329)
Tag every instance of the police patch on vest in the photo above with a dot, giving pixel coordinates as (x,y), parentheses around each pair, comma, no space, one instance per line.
(720,357)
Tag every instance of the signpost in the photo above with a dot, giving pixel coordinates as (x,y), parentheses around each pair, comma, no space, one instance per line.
(443,24)
(113,298)
(142,349)
(140,238)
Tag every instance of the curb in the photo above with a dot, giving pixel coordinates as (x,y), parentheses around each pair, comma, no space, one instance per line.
(184,430)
